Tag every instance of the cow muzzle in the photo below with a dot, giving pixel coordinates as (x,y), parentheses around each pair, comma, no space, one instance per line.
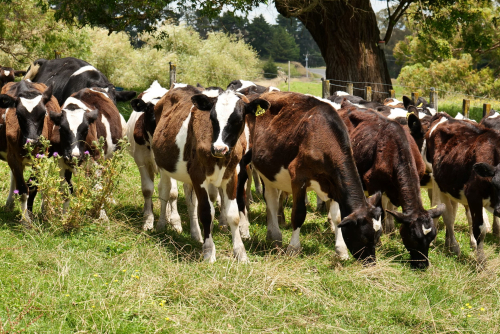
(220,151)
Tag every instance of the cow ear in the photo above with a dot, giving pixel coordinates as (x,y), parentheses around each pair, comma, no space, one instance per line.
(203,102)
(375,199)
(400,217)
(19,73)
(255,106)
(347,221)
(407,102)
(200,86)
(484,169)
(437,211)
(47,95)
(7,101)
(56,117)
(415,125)
(125,95)
(92,116)
(138,104)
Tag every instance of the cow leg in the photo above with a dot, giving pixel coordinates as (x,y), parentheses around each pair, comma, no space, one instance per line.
(215,195)
(33,190)
(9,205)
(192,204)
(206,213)
(244,180)
(435,198)
(340,246)
(272,196)
(23,192)
(322,206)
(256,181)
(148,187)
(389,226)
(168,199)
(232,215)
(486,221)
(429,193)
(333,214)
(496,226)
(299,212)
(449,214)
(67,174)
(281,210)
(473,243)
(478,227)
(248,186)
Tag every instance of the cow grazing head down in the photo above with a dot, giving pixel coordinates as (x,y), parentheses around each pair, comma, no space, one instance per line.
(227,115)
(74,122)
(417,232)
(488,171)
(362,229)
(30,109)
(149,114)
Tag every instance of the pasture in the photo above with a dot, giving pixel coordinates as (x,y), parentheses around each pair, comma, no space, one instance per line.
(114,278)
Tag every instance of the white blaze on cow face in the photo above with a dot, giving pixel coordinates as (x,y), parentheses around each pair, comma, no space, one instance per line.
(224,108)
(377,224)
(179,85)
(426,230)
(211,93)
(495,115)
(397,112)
(341,93)
(395,102)
(84,69)
(421,115)
(154,93)
(30,104)
(75,118)
(272,88)
(6,73)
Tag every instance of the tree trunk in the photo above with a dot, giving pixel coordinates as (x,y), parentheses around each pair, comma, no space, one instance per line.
(347,35)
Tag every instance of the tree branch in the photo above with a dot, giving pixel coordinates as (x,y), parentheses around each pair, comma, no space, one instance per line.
(394,18)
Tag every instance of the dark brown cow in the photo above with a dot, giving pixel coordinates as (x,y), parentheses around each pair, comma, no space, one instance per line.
(24,117)
(301,144)
(465,160)
(85,117)
(388,161)
(198,140)
(8,74)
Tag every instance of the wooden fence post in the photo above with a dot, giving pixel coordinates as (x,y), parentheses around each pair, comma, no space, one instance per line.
(434,98)
(368,93)
(465,108)
(350,88)
(173,69)
(326,88)
(486,109)
(392,92)
(289,76)
(414,97)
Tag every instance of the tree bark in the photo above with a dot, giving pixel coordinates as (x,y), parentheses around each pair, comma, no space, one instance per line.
(347,35)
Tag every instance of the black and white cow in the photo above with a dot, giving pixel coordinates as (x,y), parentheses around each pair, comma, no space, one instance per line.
(8,74)
(70,75)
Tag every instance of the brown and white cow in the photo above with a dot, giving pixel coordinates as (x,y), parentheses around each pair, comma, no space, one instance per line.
(301,144)
(198,140)
(388,161)
(24,117)
(86,116)
(8,74)
(140,129)
(465,160)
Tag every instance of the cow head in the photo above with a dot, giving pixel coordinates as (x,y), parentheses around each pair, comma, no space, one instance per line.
(417,232)
(488,171)
(30,110)
(74,122)
(7,74)
(361,230)
(111,91)
(149,114)
(227,115)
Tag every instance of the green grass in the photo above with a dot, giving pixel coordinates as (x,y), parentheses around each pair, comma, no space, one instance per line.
(114,278)
(304,87)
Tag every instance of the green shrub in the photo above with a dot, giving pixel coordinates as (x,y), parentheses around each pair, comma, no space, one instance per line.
(270,69)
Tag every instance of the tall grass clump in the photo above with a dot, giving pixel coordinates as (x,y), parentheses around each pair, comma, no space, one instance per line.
(93,184)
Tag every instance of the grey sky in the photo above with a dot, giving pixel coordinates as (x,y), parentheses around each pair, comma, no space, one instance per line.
(270,12)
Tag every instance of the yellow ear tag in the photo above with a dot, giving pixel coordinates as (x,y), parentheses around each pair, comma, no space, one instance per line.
(435,206)
(259,111)
(420,105)
(408,114)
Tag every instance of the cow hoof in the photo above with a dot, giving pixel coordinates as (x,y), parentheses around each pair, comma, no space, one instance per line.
(9,206)
(177,228)
(244,233)
(292,250)
(196,236)
(208,251)
(275,238)
(148,223)
(481,260)
(240,254)
(342,253)
(160,226)
(455,249)
(473,244)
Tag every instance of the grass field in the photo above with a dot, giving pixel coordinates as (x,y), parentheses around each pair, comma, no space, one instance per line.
(114,278)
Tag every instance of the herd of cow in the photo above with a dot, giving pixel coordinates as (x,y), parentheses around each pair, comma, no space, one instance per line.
(216,141)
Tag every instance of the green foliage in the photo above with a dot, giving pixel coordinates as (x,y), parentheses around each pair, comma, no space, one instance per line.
(27,34)
(94,182)
(282,45)
(270,69)
(256,30)
(451,75)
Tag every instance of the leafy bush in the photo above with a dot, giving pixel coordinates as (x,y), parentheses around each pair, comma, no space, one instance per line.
(270,69)
(93,184)
(451,75)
